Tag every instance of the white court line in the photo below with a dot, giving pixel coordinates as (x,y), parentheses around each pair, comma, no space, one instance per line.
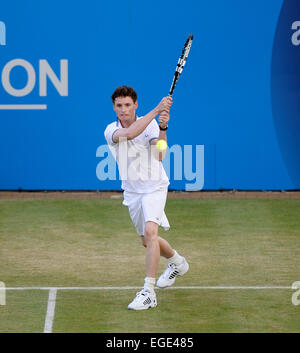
(53,291)
(50,311)
(131,288)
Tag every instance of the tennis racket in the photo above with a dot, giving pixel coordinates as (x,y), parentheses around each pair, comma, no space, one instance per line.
(181,62)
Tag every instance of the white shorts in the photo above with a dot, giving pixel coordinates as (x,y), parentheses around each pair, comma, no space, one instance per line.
(147,207)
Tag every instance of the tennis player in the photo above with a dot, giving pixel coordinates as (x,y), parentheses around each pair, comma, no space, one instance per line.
(132,141)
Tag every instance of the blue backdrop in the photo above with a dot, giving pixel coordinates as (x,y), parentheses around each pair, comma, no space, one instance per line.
(236,104)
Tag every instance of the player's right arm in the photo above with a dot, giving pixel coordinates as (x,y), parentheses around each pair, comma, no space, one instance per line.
(140,125)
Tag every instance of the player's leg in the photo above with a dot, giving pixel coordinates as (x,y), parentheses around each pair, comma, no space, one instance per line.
(165,248)
(153,209)
(177,265)
(153,248)
(146,298)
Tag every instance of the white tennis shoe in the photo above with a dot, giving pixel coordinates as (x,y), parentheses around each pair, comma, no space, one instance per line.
(143,300)
(171,272)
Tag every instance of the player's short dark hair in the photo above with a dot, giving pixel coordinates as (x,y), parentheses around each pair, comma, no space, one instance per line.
(124,91)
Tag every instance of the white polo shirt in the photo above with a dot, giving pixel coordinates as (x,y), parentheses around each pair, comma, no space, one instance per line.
(139,170)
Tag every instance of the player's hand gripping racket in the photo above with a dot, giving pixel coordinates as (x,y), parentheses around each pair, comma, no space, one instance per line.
(181,62)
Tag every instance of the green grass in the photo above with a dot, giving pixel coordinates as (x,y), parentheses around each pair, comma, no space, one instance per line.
(228,242)
(24,311)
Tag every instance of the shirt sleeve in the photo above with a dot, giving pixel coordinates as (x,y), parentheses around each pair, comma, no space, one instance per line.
(153,130)
(109,133)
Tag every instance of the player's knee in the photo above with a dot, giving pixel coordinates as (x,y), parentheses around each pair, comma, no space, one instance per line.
(150,232)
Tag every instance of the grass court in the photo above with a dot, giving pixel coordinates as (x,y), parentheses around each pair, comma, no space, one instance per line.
(243,255)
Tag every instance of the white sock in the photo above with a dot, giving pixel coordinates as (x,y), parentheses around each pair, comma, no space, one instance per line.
(175,259)
(149,283)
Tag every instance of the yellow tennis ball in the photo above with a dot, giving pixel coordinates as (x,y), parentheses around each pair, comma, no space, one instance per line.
(161,145)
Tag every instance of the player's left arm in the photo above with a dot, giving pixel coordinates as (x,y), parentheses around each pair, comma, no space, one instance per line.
(163,119)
